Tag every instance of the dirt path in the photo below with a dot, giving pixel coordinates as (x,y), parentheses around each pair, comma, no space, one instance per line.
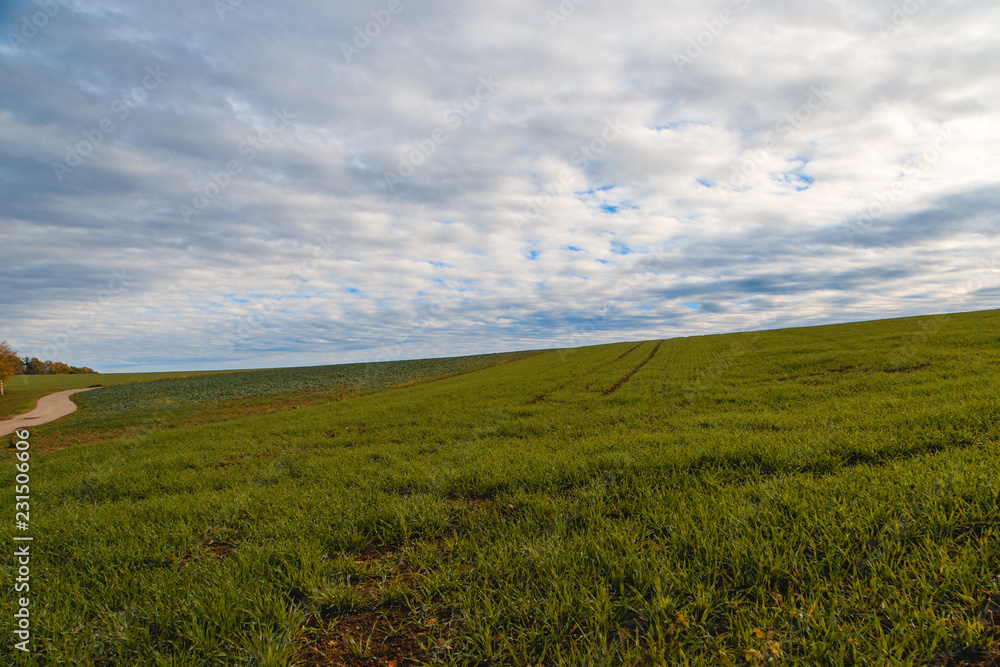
(49,408)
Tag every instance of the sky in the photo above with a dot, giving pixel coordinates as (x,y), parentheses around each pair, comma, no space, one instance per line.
(241,184)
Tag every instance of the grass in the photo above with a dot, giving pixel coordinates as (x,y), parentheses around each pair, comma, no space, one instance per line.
(59,382)
(139,402)
(21,392)
(818,496)
(342,379)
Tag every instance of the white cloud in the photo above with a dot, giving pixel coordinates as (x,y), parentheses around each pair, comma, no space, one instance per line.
(741,181)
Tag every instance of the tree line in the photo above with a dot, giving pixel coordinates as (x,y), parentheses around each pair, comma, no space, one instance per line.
(12,364)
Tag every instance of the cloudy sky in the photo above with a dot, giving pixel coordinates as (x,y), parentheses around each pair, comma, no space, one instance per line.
(236,183)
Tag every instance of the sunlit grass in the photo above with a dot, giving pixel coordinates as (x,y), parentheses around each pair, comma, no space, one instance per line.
(814,496)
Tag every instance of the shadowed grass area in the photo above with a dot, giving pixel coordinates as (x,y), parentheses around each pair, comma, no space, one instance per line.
(816,496)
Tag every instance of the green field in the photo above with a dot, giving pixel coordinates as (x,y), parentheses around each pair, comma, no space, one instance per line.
(345,378)
(21,392)
(814,496)
(60,382)
(132,403)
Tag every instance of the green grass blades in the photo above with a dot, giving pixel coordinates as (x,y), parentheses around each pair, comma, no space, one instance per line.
(817,496)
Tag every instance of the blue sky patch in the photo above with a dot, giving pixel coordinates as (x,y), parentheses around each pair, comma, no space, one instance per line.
(620,248)
(798,181)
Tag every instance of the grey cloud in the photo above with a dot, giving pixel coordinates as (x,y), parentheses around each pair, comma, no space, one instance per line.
(310,217)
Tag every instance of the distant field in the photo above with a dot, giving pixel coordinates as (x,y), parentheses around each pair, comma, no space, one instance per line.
(143,398)
(816,496)
(175,400)
(21,392)
(347,378)
(59,382)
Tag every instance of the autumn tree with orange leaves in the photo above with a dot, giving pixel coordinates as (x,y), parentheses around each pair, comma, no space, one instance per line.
(10,363)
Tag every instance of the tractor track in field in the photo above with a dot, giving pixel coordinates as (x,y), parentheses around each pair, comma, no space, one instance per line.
(618,385)
(624,354)
(541,397)
(417,383)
